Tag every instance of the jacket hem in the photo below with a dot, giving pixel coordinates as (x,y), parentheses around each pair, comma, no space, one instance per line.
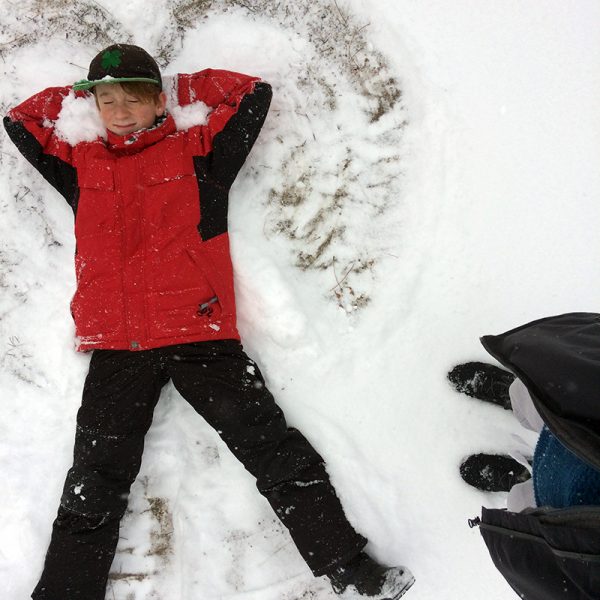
(88,344)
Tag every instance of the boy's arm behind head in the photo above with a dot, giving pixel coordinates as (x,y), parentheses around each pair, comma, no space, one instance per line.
(240,104)
(30,126)
(214,87)
(232,144)
(42,107)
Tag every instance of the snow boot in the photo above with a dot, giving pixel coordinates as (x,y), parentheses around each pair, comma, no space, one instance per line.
(493,472)
(364,578)
(482,381)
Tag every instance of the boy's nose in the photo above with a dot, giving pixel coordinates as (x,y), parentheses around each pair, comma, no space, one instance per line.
(121,110)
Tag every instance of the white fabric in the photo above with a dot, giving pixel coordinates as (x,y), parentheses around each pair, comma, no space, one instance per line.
(521,496)
(523,407)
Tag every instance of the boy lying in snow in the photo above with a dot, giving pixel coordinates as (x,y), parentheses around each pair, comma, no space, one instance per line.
(155,302)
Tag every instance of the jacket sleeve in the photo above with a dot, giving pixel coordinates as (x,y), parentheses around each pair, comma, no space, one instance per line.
(30,125)
(240,104)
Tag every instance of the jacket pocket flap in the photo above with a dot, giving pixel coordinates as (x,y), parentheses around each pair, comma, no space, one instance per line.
(161,172)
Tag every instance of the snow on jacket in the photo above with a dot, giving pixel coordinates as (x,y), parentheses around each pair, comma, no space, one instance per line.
(152,251)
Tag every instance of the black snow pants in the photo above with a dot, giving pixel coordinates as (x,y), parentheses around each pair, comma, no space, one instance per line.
(226,388)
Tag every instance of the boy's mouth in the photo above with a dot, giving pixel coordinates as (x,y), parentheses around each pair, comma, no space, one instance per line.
(124,126)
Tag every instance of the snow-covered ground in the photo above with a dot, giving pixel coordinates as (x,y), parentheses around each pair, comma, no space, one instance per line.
(375,237)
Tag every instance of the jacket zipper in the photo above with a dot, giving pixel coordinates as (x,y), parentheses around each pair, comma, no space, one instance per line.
(205,309)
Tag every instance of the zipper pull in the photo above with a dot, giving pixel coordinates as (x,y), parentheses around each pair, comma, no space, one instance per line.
(205,309)
(474,522)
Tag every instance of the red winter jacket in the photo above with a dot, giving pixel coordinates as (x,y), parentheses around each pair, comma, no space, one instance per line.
(152,257)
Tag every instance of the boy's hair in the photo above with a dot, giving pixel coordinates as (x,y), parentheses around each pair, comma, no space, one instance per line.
(143,91)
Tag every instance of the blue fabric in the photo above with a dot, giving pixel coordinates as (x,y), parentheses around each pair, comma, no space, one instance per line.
(560,479)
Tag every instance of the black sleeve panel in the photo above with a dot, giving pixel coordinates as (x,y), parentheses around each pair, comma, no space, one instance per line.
(232,145)
(214,200)
(55,171)
(217,170)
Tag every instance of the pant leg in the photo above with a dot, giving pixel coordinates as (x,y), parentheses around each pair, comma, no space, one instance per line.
(119,396)
(227,389)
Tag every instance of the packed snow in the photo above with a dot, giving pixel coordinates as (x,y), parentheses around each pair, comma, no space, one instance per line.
(428,173)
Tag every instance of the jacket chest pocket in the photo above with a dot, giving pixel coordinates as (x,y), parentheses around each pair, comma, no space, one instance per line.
(96,209)
(171,194)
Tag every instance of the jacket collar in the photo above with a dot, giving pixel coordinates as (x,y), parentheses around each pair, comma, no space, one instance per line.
(138,140)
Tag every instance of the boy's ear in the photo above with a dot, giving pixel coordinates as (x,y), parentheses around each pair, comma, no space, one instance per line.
(161,104)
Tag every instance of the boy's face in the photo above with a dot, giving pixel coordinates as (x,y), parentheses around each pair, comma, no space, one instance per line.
(123,113)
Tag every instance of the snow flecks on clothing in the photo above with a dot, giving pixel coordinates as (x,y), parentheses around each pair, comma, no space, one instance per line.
(307,483)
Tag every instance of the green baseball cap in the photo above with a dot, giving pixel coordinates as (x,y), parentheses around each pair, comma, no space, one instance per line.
(121,63)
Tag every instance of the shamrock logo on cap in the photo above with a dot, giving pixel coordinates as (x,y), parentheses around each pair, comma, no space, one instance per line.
(111,58)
